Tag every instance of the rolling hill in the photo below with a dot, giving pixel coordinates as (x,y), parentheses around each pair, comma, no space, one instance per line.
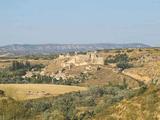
(45,49)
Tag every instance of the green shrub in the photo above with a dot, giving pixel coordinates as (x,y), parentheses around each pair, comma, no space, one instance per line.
(123,65)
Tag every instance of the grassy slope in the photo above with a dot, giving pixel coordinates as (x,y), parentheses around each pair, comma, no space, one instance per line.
(106,75)
(143,107)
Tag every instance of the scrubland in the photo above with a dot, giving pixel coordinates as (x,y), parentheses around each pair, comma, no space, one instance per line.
(126,87)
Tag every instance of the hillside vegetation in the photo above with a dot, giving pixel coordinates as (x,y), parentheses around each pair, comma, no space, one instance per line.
(77,105)
(146,106)
(76,86)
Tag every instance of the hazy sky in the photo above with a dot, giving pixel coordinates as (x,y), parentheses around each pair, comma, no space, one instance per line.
(79,21)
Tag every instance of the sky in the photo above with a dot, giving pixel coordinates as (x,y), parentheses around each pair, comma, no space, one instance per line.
(79,21)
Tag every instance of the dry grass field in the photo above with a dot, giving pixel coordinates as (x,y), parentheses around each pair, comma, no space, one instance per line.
(33,91)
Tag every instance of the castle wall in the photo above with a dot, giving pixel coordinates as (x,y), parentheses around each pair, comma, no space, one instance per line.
(78,60)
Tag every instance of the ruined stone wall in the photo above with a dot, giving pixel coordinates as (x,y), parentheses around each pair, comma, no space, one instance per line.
(79,60)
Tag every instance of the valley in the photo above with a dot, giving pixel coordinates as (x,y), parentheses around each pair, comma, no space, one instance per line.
(81,85)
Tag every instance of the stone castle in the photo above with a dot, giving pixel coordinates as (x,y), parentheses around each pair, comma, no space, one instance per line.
(61,66)
(79,59)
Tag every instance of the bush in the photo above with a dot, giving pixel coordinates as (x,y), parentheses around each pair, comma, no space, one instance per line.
(2,93)
(121,60)
(123,65)
(117,59)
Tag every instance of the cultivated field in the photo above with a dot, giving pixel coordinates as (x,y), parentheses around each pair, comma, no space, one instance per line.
(33,91)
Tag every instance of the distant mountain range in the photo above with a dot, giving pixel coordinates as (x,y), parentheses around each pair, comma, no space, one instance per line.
(45,49)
